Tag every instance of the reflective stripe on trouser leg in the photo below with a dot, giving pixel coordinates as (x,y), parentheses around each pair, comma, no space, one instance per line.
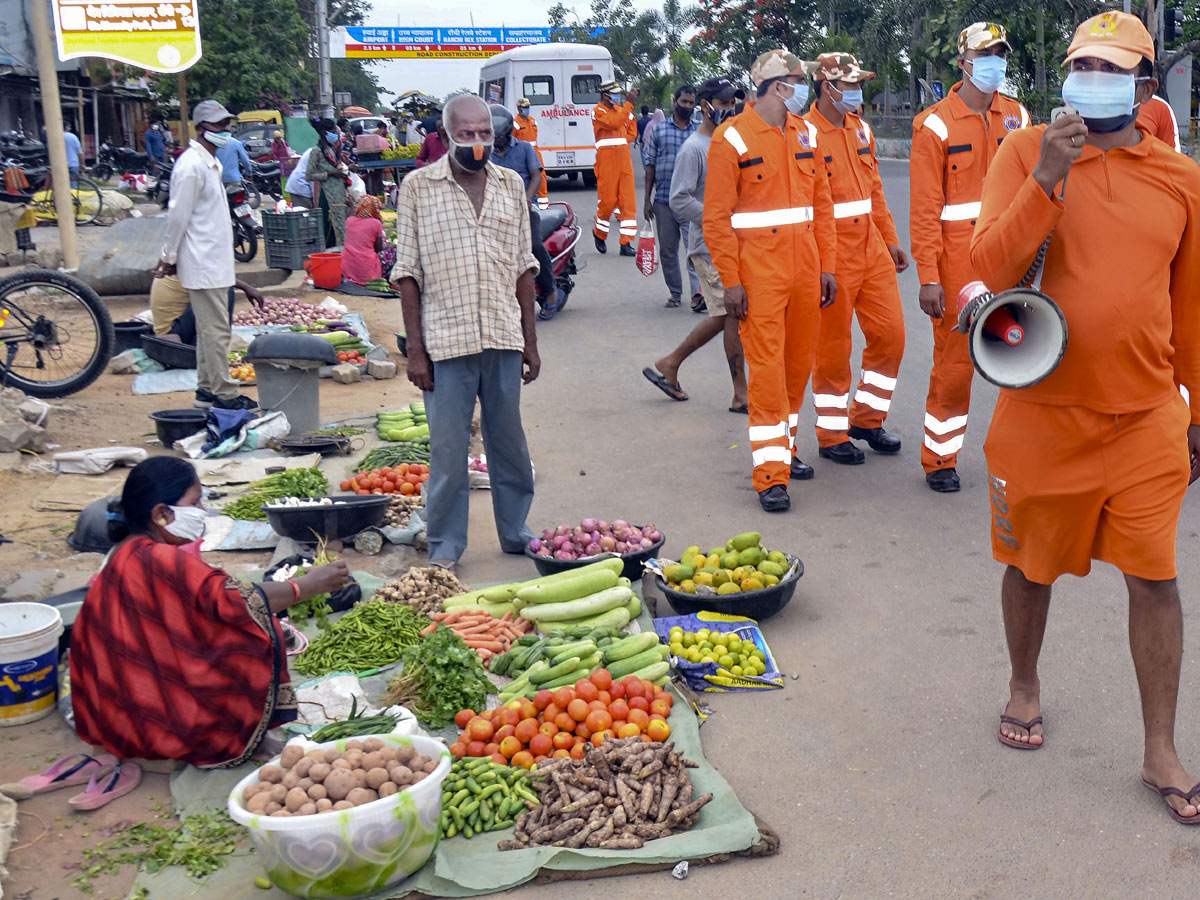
(627,201)
(607,184)
(949,397)
(881,317)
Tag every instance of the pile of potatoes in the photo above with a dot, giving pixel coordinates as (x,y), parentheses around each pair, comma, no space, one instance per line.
(305,784)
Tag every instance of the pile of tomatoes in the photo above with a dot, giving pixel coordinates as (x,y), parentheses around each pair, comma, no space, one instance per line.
(350,356)
(406,479)
(565,722)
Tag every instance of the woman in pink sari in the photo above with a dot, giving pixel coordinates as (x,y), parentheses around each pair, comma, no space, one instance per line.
(364,240)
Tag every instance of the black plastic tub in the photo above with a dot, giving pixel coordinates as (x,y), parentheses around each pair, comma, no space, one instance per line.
(129,335)
(171,354)
(548,565)
(346,516)
(756,605)
(175,424)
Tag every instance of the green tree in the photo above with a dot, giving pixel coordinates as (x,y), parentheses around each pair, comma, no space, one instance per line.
(628,35)
(351,75)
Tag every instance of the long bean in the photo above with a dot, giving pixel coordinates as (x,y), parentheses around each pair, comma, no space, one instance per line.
(372,634)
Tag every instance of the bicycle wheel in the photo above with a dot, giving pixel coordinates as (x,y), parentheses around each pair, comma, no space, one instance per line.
(88,201)
(56,335)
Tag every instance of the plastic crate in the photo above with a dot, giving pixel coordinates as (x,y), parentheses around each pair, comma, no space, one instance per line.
(298,225)
(291,254)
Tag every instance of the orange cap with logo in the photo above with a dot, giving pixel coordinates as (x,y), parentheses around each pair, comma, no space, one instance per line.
(1114,37)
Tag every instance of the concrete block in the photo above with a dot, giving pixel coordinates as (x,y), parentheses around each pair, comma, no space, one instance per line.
(381,369)
(49,257)
(35,411)
(346,373)
(32,586)
(21,435)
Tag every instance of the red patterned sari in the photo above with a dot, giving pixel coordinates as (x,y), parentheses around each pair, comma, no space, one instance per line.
(173,659)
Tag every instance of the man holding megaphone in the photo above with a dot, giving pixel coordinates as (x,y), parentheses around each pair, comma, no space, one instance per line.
(1093,460)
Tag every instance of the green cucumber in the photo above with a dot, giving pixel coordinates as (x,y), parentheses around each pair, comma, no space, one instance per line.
(635,607)
(631,646)
(613,618)
(623,667)
(580,649)
(563,668)
(579,608)
(582,585)
(652,672)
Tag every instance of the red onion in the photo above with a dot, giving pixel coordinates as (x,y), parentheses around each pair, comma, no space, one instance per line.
(562,530)
(607,543)
(559,542)
(655,535)
(548,535)
(595,537)
(535,545)
(619,523)
(564,554)
(591,549)
(545,551)
(603,526)
(646,542)
(588,525)
(621,547)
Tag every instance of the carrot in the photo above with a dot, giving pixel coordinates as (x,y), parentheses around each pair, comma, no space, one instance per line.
(473,629)
(478,644)
(507,616)
(432,627)
(484,653)
(451,617)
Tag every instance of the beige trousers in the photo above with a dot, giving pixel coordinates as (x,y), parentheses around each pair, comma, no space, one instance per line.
(211,309)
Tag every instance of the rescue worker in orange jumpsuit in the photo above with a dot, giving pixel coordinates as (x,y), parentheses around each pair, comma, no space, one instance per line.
(1158,117)
(615,127)
(768,222)
(869,256)
(954,142)
(1094,461)
(525,129)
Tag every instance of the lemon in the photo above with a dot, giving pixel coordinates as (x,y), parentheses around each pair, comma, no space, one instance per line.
(759,655)
(676,649)
(689,639)
(702,635)
(675,632)
(706,647)
(736,670)
(720,640)
(725,661)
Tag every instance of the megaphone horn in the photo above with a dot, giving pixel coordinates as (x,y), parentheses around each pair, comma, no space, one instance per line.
(1016,338)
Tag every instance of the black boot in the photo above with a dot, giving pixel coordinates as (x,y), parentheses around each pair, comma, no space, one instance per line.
(627,250)
(844,454)
(775,499)
(801,471)
(600,245)
(877,439)
(944,481)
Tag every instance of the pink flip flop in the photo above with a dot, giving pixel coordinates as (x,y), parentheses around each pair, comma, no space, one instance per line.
(108,784)
(68,771)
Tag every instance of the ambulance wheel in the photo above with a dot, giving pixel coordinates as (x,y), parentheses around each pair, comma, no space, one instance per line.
(572,176)
(589,179)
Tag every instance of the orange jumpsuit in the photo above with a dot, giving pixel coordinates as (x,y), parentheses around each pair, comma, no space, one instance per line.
(866,278)
(525,129)
(951,150)
(1158,117)
(768,223)
(614,169)
(1092,462)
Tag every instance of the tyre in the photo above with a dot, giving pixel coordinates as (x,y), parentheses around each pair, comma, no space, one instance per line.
(57,336)
(102,171)
(88,201)
(572,176)
(589,179)
(245,242)
(253,195)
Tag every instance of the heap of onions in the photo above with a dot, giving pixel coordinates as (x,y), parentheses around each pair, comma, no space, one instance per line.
(592,537)
(277,311)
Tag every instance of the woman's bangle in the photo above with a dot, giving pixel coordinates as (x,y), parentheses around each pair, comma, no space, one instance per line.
(295,590)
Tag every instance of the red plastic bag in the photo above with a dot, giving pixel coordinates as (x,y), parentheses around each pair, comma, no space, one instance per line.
(647,249)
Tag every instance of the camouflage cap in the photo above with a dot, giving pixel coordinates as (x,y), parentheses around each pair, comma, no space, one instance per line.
(840,67)
(981,35)
(777,63)
(524,101)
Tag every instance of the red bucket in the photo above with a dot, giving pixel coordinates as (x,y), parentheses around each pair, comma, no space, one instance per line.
(325,269)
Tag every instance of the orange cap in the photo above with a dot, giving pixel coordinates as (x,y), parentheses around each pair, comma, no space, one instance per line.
(1114,37)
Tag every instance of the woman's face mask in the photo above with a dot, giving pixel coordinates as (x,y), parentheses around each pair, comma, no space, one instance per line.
(189,523)
(332,137)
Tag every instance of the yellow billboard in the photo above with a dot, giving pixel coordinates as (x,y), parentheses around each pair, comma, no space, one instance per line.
(159,36)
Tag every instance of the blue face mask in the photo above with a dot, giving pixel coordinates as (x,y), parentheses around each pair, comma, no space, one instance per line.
(852,99)
(987,73)
(1100,97)
(331,137)
(795,103)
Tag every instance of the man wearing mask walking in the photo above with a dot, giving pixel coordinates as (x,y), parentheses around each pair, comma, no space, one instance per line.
(614,127)
(768,222)
(869,256)
(660,146)
(954,142)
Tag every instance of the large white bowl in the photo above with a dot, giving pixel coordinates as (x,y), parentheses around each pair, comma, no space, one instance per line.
(351,851)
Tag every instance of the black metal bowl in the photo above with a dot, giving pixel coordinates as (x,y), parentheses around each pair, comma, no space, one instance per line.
(347,515)
(756,605)
(129,335)
(175,424)
(171,354)
(548,565)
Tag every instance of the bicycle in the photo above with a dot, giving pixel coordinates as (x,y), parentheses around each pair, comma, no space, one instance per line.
(56,335)
(85,196)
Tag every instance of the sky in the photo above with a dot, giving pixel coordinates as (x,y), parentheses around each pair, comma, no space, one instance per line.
(440,77)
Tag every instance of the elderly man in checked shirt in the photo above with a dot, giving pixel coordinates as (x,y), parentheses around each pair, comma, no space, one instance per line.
(465,274)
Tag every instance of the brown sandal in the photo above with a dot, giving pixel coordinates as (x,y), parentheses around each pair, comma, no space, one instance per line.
(1006,719)
(1176,792)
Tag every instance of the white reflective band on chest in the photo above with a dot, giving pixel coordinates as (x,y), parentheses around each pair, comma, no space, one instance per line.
(837,401)
(812,133)
(532,143)
(731,135)
(879,381)
(852,208)
(959,212)
(833,423)
(935,124)
(945,448)
(937,426)
(768,432)
(793,419)
(868,399)
(611,142)
(771,454)
(866,129)
(793,216)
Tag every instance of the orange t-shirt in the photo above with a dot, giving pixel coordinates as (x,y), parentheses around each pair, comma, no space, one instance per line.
(1158,117)
(1123,265)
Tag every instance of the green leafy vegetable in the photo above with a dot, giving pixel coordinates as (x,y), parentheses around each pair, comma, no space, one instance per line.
(441,675)
(288,483)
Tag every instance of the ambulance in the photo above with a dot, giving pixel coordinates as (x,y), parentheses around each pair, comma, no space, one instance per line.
(562,82)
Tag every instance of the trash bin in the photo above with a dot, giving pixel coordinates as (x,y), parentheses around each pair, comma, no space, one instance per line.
(286,368)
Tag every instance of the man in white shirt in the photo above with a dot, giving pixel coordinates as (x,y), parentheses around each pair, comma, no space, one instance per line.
(198,246)
(298,188)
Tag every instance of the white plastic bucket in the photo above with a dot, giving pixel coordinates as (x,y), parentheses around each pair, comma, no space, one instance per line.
(29,634)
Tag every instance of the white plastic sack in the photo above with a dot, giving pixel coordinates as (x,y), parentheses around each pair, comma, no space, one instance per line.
(95,461)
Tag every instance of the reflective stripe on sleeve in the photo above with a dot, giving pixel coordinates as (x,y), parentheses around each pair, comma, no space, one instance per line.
(611,142)
(731,135)
(935,124)
(793,216)
(852,208)
(959,212)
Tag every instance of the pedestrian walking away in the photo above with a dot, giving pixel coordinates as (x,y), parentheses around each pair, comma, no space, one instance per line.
(716,98)
(869,257)
(525,129)
(660,147)
(614,127)
(768,222)
(954,142)
(465,274)
(198,246)
(299,191)
(74,154)
(1093,462)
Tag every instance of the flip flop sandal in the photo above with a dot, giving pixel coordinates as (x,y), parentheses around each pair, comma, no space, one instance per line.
(107,785)
(68,771)
(1028,726)
(698,304)
(672,303)
(744,409)
(659,380)
(1176,792)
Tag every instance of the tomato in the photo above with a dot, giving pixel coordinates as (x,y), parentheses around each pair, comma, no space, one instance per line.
(457,750)
(344,486)
(628,730)
(564,740)
(600,737)
(499,759)
(548,728)
(480,729)
(605,697)
(464,717)
(617,690)
(412,479)
(601,678)
(542,699)
(526,709)
(524,759)
(578,710)
(541,744)
(639,703)
(578,750)
(598,720)
(563,696)
(619,709)
(389,486)
(490,748)
(658,730)
(596,704)
(407,489)
(639,717)
(475,748)
(403,470)
(585,690)
(526,729)
(565,721)
(633,686)
(550,713)
(582,731)
(662,707)
(386,471)
(648,688)
(504,731)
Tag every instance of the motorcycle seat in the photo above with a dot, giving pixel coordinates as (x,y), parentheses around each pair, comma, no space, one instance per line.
(552,220)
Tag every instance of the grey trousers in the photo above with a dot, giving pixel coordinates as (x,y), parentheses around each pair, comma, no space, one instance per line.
(210,306)
(671,230)
(494,377)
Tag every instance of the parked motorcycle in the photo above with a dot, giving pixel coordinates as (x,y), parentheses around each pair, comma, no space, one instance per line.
(160,190)
(245,231)
(559,235)
(125,160)
(265,178)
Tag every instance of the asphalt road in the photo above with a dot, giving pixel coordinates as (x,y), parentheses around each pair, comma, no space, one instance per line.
(878,766)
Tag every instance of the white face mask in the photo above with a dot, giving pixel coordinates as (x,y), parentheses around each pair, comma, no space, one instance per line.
(189,523)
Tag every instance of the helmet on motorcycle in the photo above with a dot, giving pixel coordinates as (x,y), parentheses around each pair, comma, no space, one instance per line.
(502,125)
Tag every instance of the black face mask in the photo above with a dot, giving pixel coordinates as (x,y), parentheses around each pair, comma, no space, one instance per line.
(501,143)
(1112,123)
(683,114)
(720,115)
(464,155)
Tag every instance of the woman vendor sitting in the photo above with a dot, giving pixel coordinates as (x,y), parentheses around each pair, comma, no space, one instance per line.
(171,658)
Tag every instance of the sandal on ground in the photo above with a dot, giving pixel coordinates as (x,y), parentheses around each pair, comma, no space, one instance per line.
(671,389)
(672,303)
(1007,741)
(1189,798)
(108,784)
(744,409)
(68,771)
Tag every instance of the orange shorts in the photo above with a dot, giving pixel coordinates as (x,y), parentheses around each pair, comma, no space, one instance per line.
(1069,485)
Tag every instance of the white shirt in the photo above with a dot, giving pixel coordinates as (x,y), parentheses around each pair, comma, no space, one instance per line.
(199,237)
(297,183)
